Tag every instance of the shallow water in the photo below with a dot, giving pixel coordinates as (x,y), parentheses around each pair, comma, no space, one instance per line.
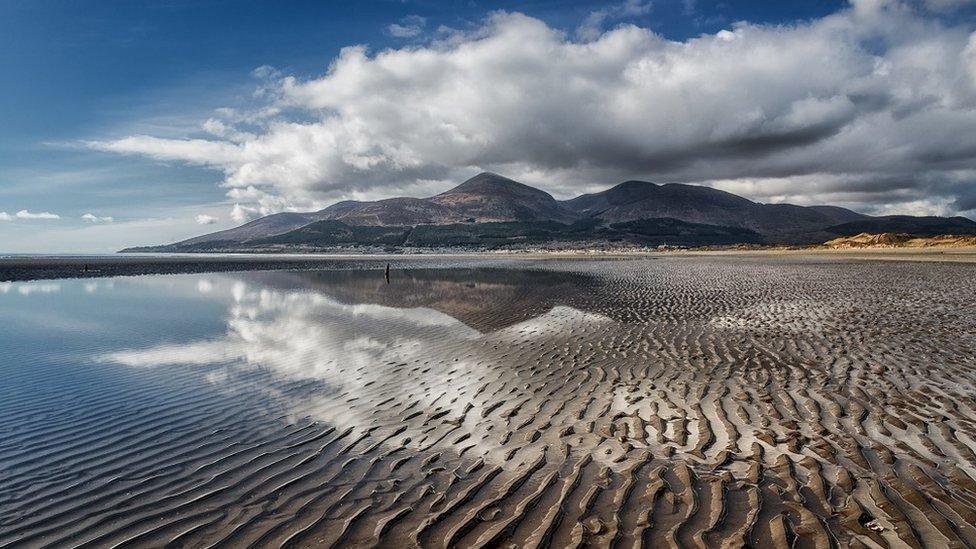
(677,401)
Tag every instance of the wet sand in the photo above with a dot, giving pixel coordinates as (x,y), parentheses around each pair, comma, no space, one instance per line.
(14,268)
(682,401)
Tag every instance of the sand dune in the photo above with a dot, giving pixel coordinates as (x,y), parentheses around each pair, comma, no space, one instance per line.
(898,240)
(675,402)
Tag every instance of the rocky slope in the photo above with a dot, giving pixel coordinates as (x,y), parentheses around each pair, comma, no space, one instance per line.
(264,227)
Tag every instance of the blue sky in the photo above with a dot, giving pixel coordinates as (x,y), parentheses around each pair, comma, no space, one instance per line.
(78,78)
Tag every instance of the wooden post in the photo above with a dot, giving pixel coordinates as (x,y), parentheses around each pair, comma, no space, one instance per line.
(387,273)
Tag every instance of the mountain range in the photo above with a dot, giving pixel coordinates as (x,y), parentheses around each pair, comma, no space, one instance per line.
(491,211)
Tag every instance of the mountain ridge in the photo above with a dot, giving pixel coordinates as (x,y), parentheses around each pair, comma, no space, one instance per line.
(506,212)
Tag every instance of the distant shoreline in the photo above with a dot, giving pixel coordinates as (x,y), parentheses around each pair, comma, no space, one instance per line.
(24,268)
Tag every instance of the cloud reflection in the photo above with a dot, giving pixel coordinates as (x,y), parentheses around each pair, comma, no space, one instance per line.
(28,288)
(374,364)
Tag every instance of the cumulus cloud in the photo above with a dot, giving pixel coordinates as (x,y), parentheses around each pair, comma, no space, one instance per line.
(24,214)
(870,107)
(204,219)
(411,26)
(92,218)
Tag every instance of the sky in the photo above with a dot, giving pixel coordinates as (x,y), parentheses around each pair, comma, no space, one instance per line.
(132,123)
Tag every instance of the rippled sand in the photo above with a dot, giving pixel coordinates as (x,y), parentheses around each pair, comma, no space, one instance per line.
(693,402)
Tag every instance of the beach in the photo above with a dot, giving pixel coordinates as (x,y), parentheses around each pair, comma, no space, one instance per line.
(676,399)
(41,267)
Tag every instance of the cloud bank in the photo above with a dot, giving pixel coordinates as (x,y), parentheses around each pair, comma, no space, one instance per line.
(872,107)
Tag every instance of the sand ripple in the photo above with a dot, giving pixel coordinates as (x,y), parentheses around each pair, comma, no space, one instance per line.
(678,402)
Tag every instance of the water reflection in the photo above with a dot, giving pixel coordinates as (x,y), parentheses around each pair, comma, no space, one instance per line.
(396,359)
(485,299)
(28,288)
(722,405)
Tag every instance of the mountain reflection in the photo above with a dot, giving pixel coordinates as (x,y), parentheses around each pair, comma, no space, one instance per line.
(485,299)
(380,355)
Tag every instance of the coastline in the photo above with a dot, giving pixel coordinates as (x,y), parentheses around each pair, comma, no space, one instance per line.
(49,267)
(728,376)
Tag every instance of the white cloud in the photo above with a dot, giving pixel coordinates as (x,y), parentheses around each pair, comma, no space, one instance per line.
(92,218)
(24,214)
(204,219)
(241,213)
(195,151)
(593,26)
(873,106)
(4,216)
(408,27)
(218,128)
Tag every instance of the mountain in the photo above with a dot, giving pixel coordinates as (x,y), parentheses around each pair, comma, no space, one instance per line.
(491,211)
(489,197)
(484,198)
(633,200)
(917,226)
(393,211)
(264,227)
(502,234)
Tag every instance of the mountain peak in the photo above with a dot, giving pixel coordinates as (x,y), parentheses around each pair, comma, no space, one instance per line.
(491,197)
(633,190)
(634,184)
(492,183)
(486,178)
